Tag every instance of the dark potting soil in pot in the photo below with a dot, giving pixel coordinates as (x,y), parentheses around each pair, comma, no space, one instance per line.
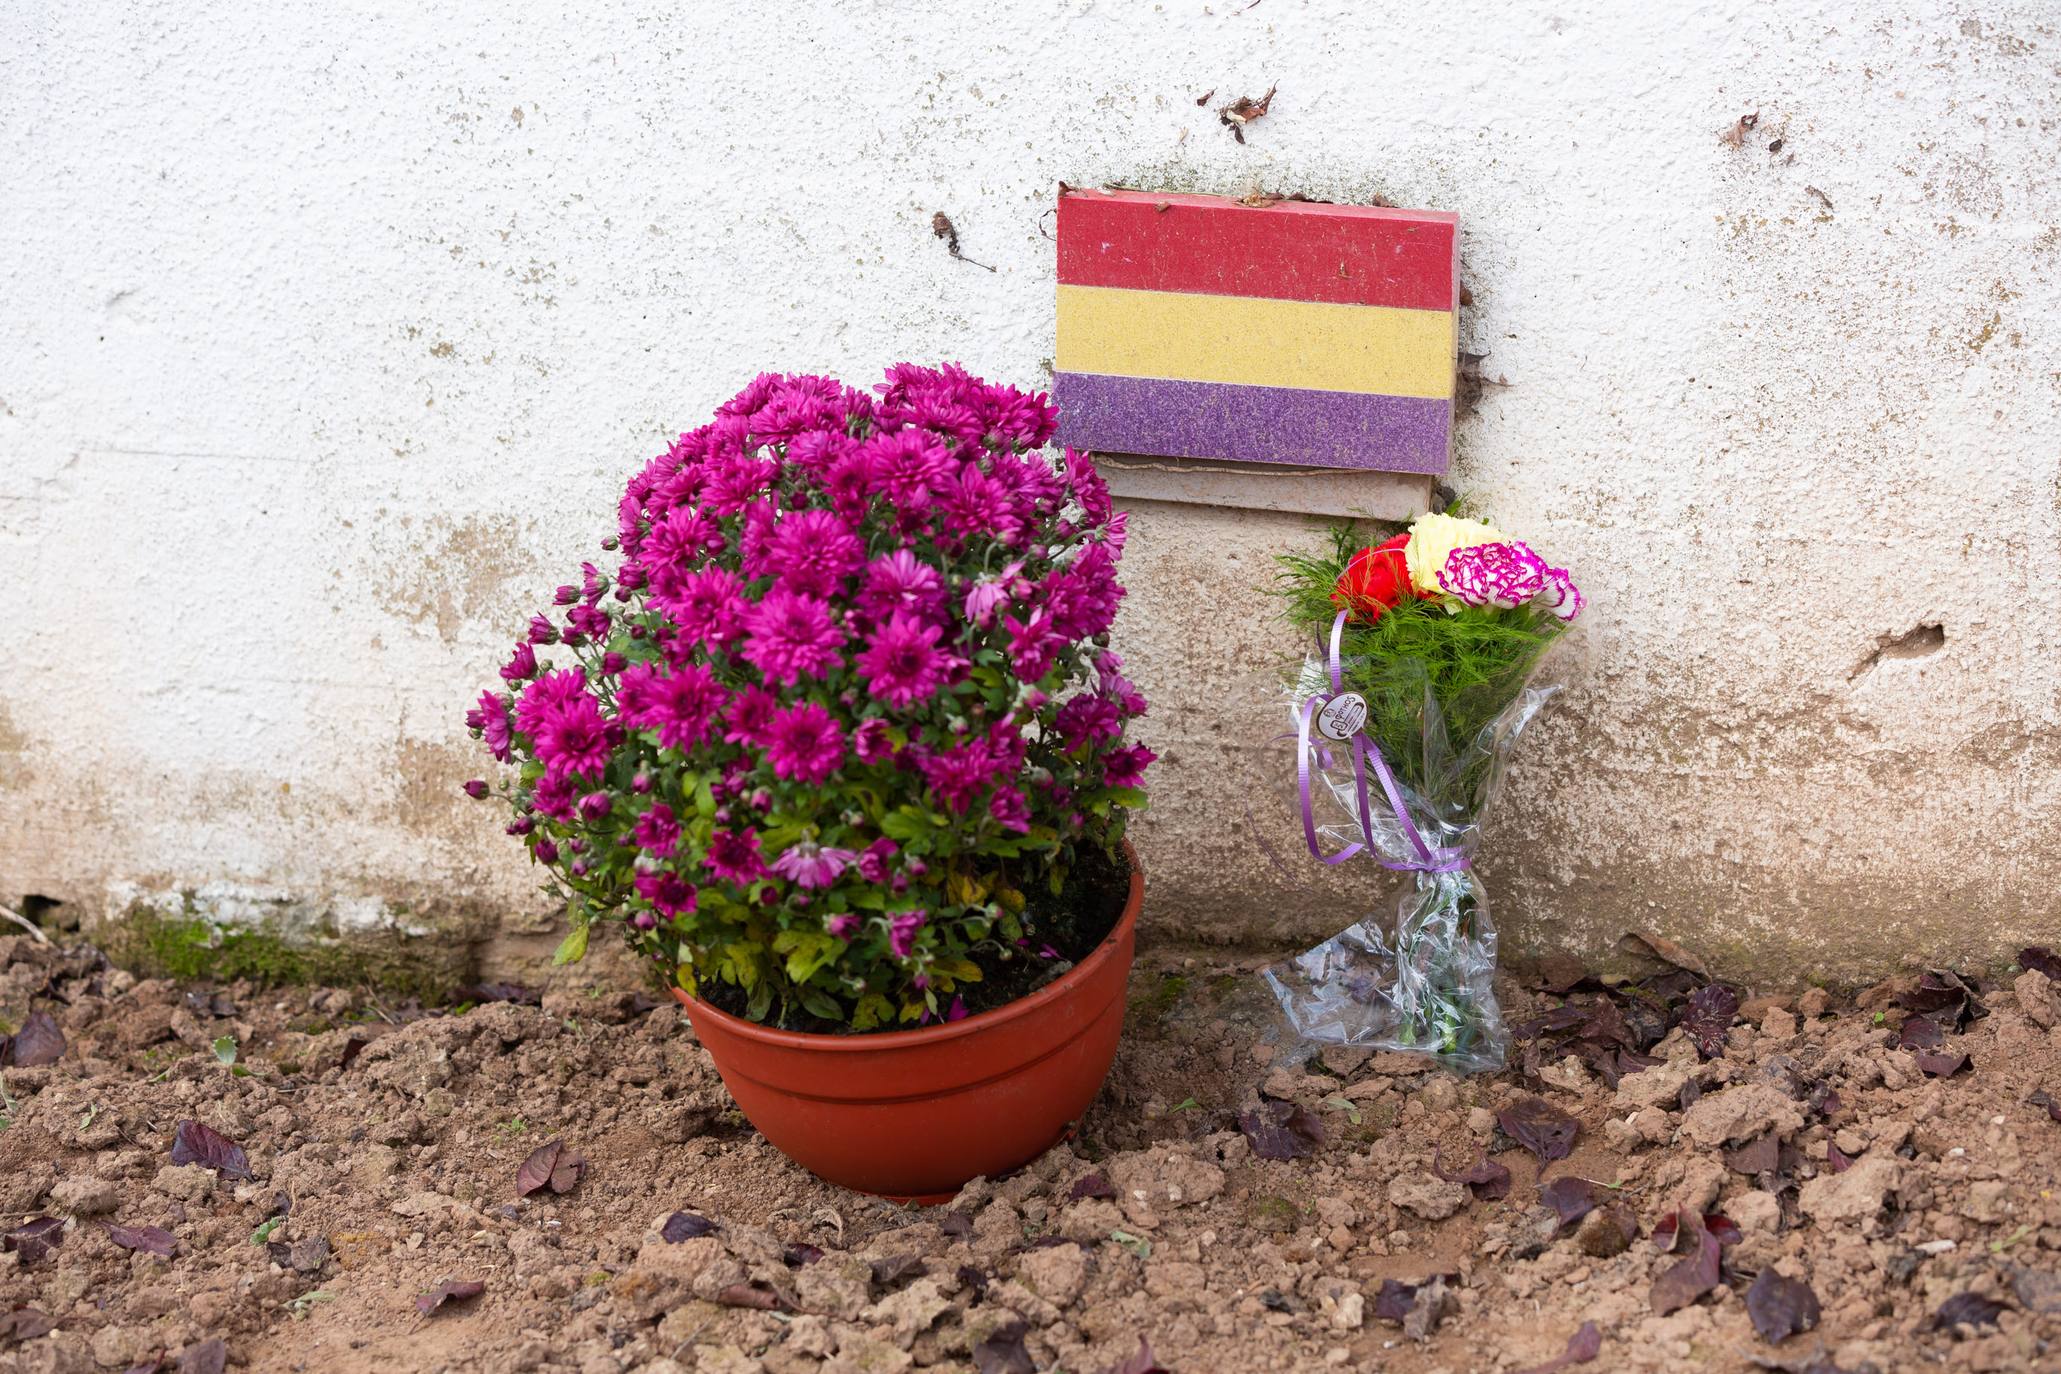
(1076,920)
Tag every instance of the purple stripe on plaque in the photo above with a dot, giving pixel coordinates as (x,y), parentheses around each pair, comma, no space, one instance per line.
(1252,424)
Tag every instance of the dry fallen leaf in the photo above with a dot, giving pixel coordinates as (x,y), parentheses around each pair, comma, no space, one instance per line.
(450,1290)
(1736,133)
(1663,948)
(551,1166)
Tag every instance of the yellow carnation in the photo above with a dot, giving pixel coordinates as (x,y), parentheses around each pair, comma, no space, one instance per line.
(1433,539)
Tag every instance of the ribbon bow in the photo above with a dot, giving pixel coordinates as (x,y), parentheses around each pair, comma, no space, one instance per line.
(1364,751)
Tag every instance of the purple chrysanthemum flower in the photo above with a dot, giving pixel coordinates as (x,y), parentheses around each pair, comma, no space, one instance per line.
(1087,486)
(553,797)
(873,741)
(990,594)
(959,774)
(574,739)
(658,829)
(707,604)
(1500,575)
(901,932)
(791,637)
(542,631)
(544,695)
(817,451)
(1087,719)
(1129,700)
(911,464)
(494,727)
(901,582)
(521,665)
(873,863)
(1560,596)
(1116,531)
(903,665)
(1033,644)
(849,483)
(734,855)
(678,541)
(735,482)
(750,713)
(1011,809)
(1126,767)
(813,550)
(808,864)
(680,705)
(804,743)
(672,894)
(1083,596)
(977,504)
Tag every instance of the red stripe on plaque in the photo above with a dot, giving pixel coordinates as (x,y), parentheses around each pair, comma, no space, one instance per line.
(1289,250)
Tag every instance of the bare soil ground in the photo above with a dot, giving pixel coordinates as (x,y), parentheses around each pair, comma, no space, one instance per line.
(1828,1168)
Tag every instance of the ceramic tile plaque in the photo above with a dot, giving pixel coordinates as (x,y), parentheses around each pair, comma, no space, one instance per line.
(1289,335)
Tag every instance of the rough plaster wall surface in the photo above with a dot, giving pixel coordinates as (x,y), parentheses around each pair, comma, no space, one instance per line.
(331,330)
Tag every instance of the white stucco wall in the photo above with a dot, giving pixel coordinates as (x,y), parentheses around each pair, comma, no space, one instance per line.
(328,332)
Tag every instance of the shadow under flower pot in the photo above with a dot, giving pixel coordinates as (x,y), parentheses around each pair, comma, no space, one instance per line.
(914,1114)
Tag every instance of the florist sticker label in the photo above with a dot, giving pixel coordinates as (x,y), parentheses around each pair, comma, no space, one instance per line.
(1288,332)
(1341,717)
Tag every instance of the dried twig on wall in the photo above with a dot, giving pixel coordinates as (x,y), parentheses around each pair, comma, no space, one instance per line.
(1242,111)
(941,225)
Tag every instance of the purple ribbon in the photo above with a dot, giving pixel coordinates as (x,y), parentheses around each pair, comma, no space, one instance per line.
(1364,751)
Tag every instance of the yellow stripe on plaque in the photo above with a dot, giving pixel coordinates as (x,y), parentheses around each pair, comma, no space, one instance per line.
(1255,341)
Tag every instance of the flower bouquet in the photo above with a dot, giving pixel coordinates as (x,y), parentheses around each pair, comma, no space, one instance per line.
(1428,646)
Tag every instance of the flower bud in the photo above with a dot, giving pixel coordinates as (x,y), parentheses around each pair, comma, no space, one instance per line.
(579,868)
(476,788)
(613,663)
(521,826)
(595,805)
(644,920)
(640,782)
(566,596)
(576,845)
(546,852)
(611,544)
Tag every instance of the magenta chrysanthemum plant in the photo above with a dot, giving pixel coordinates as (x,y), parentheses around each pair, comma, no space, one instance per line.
(848,697)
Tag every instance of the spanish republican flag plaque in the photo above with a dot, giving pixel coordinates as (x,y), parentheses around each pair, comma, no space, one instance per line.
(1290,332)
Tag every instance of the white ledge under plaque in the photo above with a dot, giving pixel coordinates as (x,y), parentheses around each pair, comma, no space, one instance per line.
(1347,492)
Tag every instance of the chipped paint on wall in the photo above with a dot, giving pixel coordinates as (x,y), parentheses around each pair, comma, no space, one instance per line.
(326,365)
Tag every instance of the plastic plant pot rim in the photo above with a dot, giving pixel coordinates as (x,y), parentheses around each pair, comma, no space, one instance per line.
(872,1042)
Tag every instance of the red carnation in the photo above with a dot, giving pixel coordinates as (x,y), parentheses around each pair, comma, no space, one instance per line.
(1374,579)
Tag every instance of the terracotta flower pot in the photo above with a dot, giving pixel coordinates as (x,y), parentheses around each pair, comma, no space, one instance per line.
(916,1113)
